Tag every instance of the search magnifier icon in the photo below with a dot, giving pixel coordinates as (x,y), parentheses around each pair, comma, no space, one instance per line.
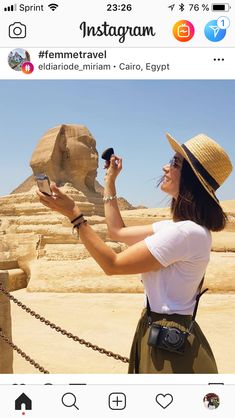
(69,399)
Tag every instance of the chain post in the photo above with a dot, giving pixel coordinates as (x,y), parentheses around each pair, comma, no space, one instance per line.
(6,352)
(63,331)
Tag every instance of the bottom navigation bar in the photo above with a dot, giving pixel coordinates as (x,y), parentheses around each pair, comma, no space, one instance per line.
(105,400)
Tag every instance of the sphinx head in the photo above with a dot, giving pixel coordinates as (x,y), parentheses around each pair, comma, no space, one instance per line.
(67,154)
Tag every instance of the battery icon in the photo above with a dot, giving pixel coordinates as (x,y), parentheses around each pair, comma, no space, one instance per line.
(220,7)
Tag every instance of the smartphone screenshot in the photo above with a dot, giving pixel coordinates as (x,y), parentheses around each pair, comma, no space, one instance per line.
(117,208)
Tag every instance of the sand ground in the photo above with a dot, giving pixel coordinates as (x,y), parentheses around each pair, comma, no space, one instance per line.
(108,320)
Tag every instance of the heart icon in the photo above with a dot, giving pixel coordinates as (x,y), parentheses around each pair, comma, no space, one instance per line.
(164,400)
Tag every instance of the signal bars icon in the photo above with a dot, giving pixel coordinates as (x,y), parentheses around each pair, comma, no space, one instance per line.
(53,6)
(11,8)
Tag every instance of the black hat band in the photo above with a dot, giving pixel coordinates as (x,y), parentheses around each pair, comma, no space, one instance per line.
(201,170)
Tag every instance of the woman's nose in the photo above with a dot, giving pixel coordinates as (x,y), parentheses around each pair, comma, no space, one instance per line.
(166,168)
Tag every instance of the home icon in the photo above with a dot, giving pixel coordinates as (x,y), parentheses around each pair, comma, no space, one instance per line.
(23,400)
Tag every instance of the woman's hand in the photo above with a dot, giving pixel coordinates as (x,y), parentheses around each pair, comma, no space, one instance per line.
(113,168)
(60,202)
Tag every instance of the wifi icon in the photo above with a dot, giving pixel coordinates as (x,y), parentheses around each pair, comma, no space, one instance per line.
(53,6)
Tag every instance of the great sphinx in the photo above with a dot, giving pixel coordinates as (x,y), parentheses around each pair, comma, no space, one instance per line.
(67,154)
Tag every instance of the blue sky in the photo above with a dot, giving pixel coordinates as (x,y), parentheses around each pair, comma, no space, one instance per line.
(131,116)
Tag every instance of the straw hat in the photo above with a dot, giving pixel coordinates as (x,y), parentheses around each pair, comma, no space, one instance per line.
(208,160)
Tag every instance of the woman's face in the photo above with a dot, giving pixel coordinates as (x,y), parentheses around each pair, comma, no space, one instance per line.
(171,179)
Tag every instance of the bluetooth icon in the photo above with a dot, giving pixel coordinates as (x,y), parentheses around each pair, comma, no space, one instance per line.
(181,7)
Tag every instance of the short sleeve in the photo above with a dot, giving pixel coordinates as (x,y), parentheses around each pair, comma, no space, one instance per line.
(157,226)
(168,245)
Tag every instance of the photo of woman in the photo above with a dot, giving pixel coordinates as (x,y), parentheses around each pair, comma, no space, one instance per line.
(172,256)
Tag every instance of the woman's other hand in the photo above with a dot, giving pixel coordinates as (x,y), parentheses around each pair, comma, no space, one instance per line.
(114,166)
(60,202)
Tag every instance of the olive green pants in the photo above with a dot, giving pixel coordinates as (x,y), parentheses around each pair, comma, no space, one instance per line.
(197,357)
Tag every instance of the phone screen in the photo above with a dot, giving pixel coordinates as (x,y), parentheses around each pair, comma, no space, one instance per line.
(43,183)
(155,83)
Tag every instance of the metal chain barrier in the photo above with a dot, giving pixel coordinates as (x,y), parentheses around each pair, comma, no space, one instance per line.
(23,354)
(61,330)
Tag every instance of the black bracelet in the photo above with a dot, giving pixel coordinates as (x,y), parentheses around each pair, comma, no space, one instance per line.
(78,217)
(78,225)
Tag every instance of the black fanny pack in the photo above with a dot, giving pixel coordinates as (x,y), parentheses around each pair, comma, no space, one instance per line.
(171,338)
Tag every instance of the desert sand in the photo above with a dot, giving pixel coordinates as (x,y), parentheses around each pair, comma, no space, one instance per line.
(105,310)
(77,296)
(108,320)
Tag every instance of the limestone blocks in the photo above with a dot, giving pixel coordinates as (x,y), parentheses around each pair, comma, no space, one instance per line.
(37,248)
(32,232)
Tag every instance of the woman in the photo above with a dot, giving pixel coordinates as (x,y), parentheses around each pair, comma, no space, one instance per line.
(172,256)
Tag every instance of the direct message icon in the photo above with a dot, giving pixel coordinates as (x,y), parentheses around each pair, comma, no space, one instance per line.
(164,400)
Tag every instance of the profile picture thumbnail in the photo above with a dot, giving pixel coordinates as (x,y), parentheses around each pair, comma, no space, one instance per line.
(211,401)
(17,57)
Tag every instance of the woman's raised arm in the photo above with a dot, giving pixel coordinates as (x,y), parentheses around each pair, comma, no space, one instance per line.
(116,227)
(136,259)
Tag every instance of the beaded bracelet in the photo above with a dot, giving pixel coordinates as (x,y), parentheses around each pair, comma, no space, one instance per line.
(109,198)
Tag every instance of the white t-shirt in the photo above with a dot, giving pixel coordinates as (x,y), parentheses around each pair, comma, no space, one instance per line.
(183,248)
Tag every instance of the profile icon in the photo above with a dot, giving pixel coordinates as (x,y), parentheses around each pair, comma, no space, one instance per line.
(211,401)
(19,60)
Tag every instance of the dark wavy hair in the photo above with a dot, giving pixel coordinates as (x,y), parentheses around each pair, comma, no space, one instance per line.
(195,204)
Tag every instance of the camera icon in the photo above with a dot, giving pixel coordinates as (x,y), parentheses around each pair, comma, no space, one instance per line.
(17,30)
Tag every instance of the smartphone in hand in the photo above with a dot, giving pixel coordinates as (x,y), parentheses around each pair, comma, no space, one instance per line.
(43,183)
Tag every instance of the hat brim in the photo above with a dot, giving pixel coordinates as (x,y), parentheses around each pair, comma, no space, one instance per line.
(178,148)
